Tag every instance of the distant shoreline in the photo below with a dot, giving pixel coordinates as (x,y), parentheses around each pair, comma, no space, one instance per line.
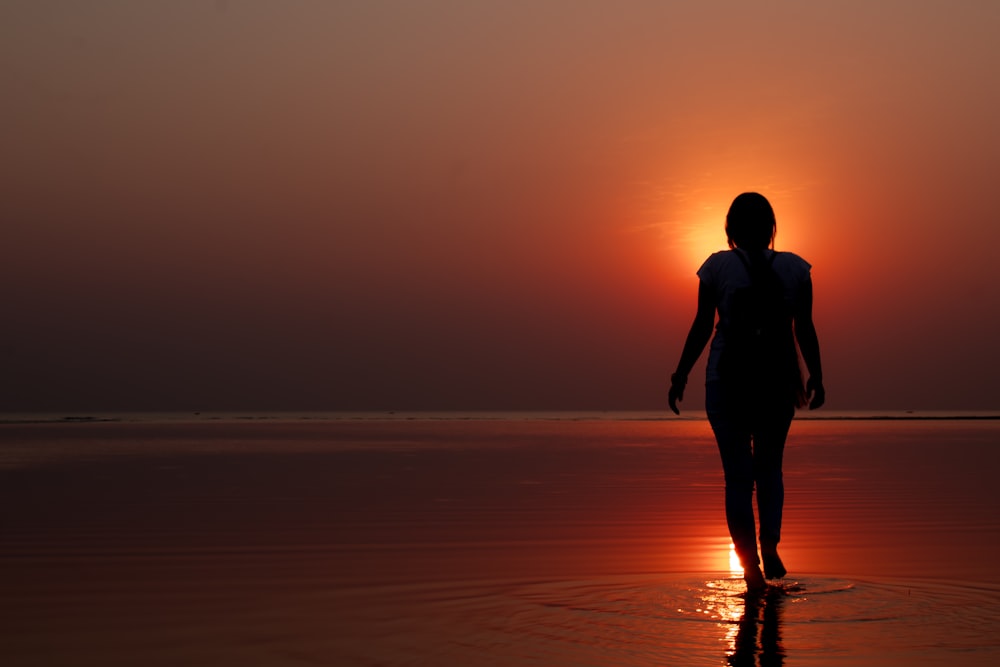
(399,416)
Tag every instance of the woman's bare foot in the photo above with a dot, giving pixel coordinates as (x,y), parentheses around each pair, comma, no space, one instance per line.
(773,567)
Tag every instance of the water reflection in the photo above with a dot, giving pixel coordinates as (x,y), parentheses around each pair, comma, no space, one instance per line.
(750,624)
(757,641)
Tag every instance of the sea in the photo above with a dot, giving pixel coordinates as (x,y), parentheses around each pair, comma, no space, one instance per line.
(466,539)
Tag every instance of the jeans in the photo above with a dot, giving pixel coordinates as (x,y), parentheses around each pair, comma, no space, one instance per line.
(751,441)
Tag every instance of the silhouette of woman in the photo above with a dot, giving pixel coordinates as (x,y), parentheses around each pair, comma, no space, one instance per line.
(753,383)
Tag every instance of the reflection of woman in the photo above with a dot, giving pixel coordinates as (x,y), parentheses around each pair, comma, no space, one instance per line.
(753,384)
(747,645)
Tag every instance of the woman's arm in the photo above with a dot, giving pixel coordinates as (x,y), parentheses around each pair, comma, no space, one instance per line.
(805,333)
(697,338)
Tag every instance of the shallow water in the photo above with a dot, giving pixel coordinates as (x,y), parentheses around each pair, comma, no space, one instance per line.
(656,620)
(488,542)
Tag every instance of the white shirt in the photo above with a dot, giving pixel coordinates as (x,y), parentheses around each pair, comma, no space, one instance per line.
(724,273)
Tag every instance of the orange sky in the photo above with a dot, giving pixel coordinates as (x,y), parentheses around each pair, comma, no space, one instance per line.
(452,205)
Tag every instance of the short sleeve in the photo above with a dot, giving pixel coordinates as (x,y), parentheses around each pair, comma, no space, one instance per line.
(804,269)
(709,270)
(794,271)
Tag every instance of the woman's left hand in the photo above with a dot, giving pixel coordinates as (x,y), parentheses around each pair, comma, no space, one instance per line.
(816,392)
(676,392)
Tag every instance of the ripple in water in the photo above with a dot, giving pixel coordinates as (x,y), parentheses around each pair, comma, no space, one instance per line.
(692,621)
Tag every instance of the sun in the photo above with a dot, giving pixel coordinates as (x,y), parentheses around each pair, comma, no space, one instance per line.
(700,239)
(734,561)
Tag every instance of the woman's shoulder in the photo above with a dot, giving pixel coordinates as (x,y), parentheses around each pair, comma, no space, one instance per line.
(716,262)
(791,259)
(791,266)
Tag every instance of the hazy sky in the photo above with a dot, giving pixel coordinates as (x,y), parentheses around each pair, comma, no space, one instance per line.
(484,205)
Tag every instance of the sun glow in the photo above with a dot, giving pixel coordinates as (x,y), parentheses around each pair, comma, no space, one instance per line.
(734,560)
(697,228)
(701,240)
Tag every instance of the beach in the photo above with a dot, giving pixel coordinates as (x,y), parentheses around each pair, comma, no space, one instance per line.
(488,541)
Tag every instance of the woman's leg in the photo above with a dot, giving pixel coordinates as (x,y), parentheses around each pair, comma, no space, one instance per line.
(768,451)
(733,436)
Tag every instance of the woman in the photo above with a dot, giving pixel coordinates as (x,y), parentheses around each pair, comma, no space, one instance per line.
(753,382)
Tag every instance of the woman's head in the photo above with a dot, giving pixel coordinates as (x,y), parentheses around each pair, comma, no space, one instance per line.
(750,223)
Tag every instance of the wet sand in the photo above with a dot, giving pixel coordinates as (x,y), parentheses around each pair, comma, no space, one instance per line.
(488,542)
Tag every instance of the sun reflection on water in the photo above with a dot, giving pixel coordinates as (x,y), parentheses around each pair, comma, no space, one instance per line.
(749,625)
(723,601)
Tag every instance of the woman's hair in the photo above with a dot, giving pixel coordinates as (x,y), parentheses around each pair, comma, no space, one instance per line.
(750,223)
